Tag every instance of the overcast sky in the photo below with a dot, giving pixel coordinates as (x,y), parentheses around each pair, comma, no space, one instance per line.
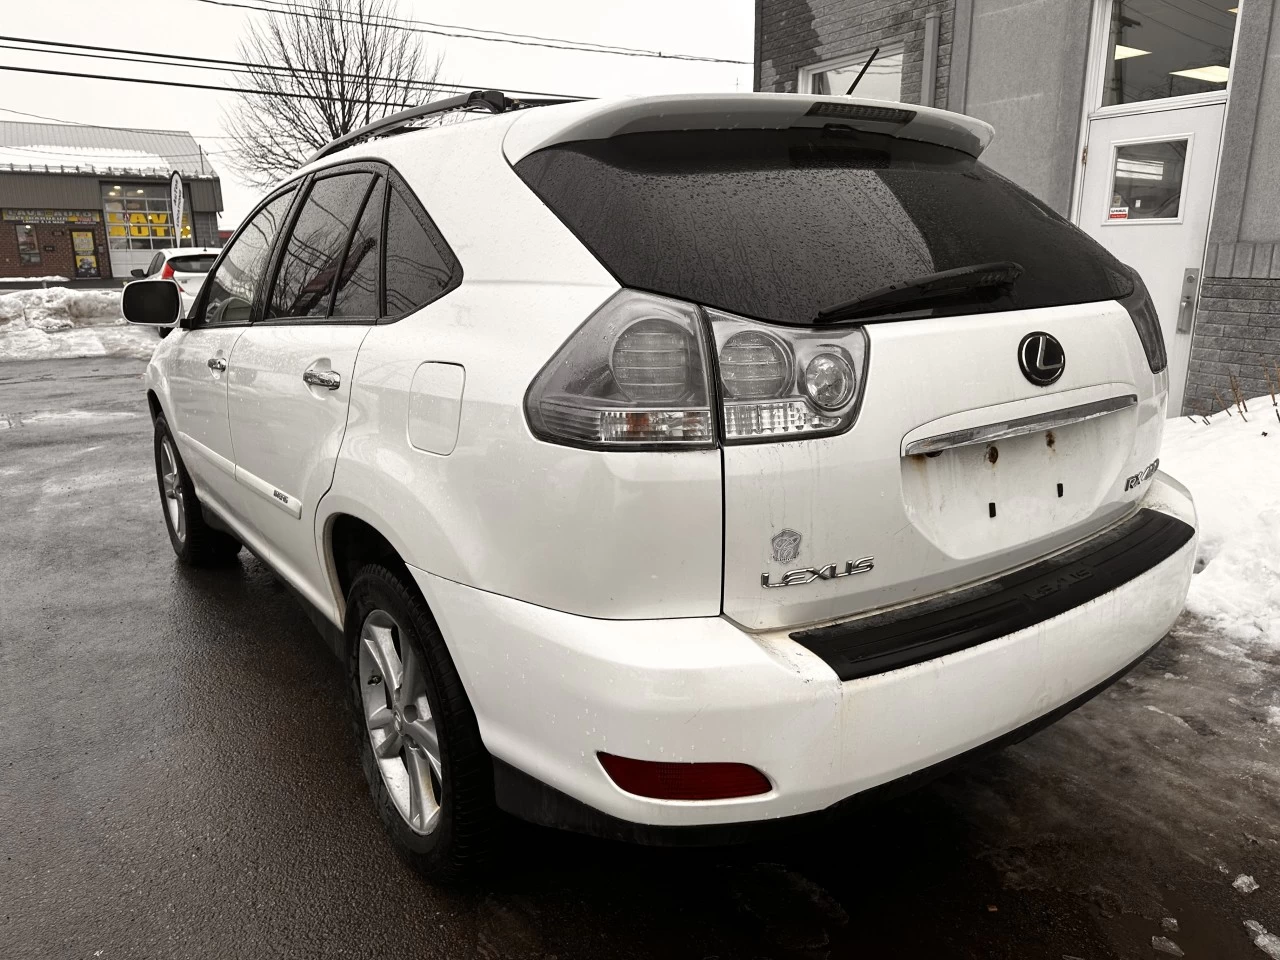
(713,28)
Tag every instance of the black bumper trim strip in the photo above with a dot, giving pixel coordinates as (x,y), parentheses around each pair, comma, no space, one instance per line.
(996,608)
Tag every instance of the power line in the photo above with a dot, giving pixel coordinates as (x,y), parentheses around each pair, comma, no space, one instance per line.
(193,86)
(296,5)
(314,13)
(205,86)
(242,66)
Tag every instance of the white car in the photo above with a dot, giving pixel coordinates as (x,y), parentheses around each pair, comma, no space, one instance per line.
(185,266)
(666,467)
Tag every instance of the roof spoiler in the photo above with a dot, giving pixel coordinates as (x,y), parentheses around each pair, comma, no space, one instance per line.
(601,119)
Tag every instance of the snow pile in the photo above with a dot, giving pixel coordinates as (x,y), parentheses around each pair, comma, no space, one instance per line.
(100,159)
(63,322)
(1245,883)
(1232,467)
(33,279)
(1268,943)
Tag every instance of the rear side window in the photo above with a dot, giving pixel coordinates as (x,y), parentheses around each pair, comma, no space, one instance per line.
(419,267)
(232,287)
(780,224)
(357,294)
(305,280)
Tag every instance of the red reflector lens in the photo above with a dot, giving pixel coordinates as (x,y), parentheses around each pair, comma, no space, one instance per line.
(684,781)
(167,272)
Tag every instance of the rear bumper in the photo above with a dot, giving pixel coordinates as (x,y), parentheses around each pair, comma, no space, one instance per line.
(551,690)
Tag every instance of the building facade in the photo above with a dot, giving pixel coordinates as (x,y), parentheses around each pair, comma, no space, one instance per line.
(92,203)
(1154,125)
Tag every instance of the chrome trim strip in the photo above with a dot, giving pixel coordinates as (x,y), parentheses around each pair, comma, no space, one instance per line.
(185,440)
(1004,429)
(290,505)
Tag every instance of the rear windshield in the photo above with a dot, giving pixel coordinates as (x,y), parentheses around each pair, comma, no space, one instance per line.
(779,224)
(197,264)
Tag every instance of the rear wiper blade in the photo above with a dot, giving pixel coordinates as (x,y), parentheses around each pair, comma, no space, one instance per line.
(992,278)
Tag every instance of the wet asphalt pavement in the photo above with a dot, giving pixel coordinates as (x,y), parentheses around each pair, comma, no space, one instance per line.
(178,779)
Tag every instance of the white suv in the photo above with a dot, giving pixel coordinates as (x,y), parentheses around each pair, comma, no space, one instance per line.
(664,466)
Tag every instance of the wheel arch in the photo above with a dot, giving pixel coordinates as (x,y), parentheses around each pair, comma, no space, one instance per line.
(350,537)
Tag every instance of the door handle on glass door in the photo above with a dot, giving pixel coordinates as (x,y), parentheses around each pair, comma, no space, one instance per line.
(217,363)
(1190,294)
(329,379)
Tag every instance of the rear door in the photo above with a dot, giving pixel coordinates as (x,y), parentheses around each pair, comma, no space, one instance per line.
(966,444)
(196,364)
(291,372)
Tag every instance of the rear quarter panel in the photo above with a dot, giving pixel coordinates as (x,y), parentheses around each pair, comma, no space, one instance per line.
(610,535)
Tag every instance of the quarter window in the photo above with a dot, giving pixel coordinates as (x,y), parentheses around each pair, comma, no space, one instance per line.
(233,286)
(357,293)
(304,284)
(416,271)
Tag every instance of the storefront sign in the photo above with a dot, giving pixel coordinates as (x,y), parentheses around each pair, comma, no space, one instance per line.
(51,216)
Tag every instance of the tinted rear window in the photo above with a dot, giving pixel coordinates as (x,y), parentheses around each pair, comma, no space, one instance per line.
(778,224)
(197,264)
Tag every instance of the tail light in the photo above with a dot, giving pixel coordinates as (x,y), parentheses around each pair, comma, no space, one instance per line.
(167,272)
(785,383)
(1147,322)
(638,375)
(632,377)
(663,780)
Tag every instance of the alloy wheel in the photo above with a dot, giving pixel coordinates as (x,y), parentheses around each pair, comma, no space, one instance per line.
(403,734)
(171,484)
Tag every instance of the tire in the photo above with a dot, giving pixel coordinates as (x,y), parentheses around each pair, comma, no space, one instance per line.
(195,542)
(438,807)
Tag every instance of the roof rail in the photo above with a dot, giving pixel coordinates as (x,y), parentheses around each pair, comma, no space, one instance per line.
(494,101)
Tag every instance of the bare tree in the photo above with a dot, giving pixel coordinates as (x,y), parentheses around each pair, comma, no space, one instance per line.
(318,75)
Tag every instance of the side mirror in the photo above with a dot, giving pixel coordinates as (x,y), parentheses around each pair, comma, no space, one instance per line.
(137,272)
(155,303)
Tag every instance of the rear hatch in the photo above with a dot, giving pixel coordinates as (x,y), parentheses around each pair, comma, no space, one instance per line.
(190,270)
(988,425)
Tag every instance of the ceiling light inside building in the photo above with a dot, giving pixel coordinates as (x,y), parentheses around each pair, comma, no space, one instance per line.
(1207,74)
(1124,53)
(1129,169)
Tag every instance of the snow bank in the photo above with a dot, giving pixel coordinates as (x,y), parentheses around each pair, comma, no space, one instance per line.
(62,322)
(100,159)
(1232,467)
(33,279)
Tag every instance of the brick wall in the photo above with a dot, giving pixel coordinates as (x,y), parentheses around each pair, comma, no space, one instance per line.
(57,262)
(796,33)
(1237,333)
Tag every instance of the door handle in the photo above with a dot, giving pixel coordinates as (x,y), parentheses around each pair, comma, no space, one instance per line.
(217,363)
(329,379)
(1190,296)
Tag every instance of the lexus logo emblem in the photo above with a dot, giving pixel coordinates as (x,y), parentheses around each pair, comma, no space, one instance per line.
(1041,358)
